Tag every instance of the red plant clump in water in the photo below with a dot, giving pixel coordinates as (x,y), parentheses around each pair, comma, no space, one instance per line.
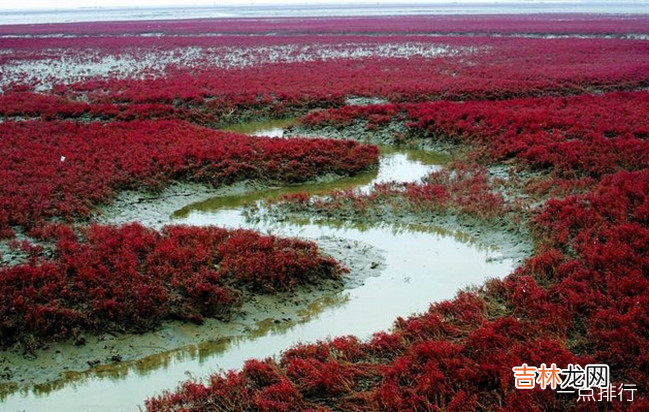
(462,188)
(130,278)
(61,169)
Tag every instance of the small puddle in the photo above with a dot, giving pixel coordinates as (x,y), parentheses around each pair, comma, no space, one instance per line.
(269,128)
(422,265)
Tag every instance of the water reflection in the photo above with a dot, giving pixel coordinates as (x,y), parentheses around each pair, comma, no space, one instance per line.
(237,201)
(271,225)
(200,354)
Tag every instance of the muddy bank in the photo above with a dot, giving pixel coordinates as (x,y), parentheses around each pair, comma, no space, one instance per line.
(60,363)
(11,256)
(395,133)
(364,101)
(149,207)
(154,208)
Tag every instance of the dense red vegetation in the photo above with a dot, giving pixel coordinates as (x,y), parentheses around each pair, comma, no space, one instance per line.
(61,169)
(210,87)
(52,107)
(572,141)
(580,136)
(130,278)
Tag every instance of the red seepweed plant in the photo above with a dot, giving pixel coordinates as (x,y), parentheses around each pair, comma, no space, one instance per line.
(130,278)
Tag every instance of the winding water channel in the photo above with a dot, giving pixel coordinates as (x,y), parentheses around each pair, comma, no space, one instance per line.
(422,265)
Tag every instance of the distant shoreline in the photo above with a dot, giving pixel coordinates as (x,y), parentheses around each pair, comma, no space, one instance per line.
(338,10)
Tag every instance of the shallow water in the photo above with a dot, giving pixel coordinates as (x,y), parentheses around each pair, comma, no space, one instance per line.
(422,265)
(269,128)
